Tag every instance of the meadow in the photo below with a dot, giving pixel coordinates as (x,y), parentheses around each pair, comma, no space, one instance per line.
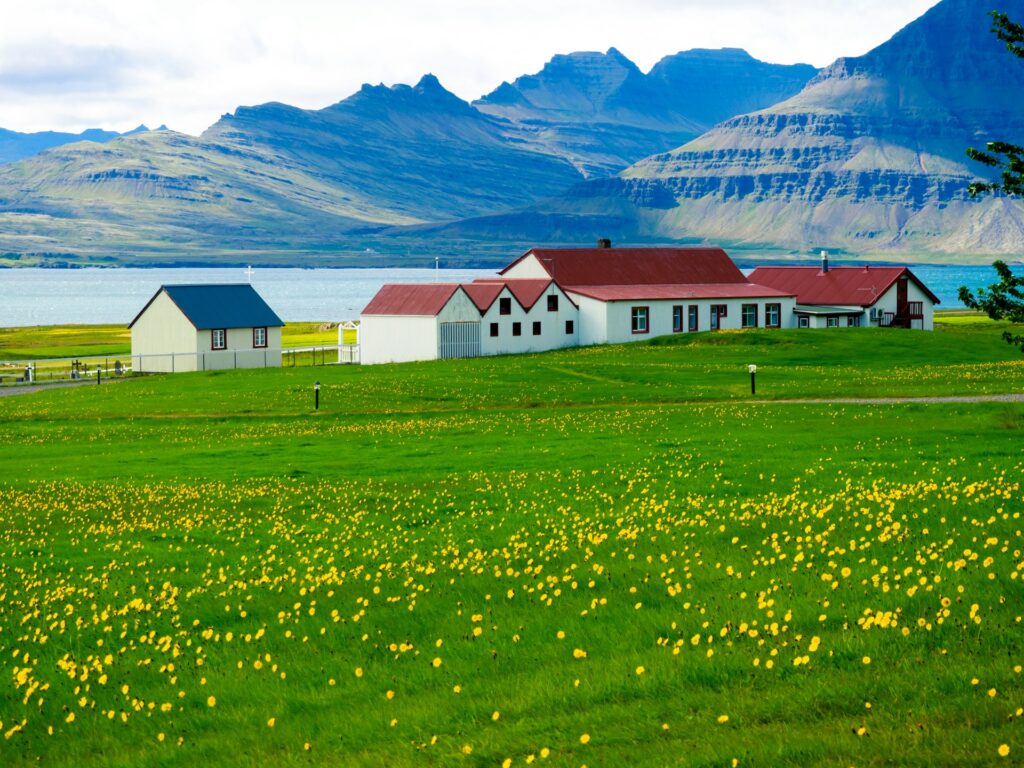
(592,557)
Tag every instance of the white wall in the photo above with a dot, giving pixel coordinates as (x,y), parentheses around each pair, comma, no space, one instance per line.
(593,324)
(887,303)
(552,335)
(529,268)
(397,338)
(240,352)
(618,317)
(163,339)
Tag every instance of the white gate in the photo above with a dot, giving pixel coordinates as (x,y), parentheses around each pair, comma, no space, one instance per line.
(459,340)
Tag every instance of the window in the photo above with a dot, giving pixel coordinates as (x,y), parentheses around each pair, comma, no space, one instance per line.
(832,321)
(218,339)
(772,315)
(517,329)
(718,311)
(749,315)
(505,306)
(693,317)
(853,321)
(259,338)
(804,321)
(677,318)
(494,330)
(553,303)
(569,327)
(536,328)
(639,318)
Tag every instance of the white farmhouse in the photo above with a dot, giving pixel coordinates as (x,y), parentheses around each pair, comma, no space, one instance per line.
(627,294)
(205,327)
(888,297)
(552,298)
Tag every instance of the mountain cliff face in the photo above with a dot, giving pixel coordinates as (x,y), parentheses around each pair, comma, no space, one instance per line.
(604,113)
(868,157)
(16,146)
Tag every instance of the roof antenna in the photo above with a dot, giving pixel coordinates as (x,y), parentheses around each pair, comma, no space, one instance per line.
(437,269)
(248,273)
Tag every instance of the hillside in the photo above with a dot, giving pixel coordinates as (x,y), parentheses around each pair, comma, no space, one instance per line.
(869,157)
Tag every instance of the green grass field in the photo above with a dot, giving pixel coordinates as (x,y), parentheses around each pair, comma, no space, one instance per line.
(40,342)
(597,557)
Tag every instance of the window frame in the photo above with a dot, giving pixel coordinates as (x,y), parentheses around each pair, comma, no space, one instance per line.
(265,337)
(517,329)
(777,309)
(803,321)
(552,302)
(637,312)
(536,328)
(505,305)
(745,309)
(832,321)
(494,330)
(677,318)
(213,339)
(570,327)
(693,318)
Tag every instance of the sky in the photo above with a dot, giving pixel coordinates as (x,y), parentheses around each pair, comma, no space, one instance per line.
(73,64)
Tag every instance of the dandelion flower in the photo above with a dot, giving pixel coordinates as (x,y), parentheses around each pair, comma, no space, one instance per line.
(211,701)
(1004,750)
(722,719)
(585,738)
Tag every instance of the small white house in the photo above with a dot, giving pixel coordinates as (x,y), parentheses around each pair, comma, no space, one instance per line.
(205,327)
(850,297)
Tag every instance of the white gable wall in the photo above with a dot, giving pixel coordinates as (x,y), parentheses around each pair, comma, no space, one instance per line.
(397,338)
(529,268)
(552,325)
(163,339)
(240,352)
(887,303)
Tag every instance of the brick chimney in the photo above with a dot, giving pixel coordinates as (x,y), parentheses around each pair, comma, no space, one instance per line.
(604,242)
(824,262)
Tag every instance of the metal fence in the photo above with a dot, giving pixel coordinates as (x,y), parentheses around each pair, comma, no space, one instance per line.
(104,367)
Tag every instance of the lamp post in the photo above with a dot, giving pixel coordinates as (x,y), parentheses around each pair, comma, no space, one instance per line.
(316,395)
(753,377)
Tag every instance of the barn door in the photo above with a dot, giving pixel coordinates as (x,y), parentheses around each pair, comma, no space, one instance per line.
(459,340)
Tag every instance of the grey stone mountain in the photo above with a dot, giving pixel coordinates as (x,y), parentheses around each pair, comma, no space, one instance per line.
(283,180)
(602,111)
(16,146)
(868,157)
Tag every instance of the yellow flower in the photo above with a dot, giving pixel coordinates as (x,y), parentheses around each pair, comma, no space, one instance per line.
(270,722)
(1004,750)
(437,663)
(496,715)
(359,671)
(211,701)
(579,653)
(639,671)
(866,659)
(390,695)
(585,738)
(70,718)
(723,719)
(466,749)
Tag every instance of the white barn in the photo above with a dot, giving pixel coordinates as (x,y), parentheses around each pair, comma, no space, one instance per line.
(849,297)
(205,327)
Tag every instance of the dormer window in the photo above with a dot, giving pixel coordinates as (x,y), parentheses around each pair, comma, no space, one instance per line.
(505,306)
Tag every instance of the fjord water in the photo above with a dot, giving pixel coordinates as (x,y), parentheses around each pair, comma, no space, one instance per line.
(65,296)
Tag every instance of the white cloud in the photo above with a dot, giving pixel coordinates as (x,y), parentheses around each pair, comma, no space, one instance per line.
(73,64)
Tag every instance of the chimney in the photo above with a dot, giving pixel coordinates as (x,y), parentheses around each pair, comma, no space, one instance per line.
(604,242)
(824,262)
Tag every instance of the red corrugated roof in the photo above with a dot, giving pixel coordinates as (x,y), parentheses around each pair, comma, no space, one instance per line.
(526,291)
(682,292)
(635,266)
(413,299)
(483,294)
(860,286)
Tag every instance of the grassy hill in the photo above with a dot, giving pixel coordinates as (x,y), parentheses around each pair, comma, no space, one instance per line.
(597,556)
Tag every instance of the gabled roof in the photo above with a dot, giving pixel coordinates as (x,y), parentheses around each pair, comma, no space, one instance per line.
(681,292)
(411,299)
(860,286)
(635,266)
(525,291)
(207,306)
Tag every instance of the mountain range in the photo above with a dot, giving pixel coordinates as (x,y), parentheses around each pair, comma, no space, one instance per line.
(865,156)
(16,146)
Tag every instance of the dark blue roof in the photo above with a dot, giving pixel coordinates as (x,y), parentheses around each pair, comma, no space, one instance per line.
(219,306)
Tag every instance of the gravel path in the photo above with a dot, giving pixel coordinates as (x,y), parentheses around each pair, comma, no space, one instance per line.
(9,391)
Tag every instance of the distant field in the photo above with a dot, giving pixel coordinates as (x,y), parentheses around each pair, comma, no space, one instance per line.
(603,556)
(61,341)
